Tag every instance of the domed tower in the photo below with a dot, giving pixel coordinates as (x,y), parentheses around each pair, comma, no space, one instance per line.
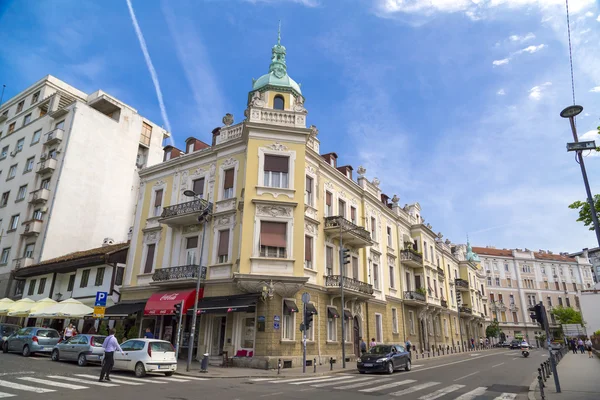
(275,97)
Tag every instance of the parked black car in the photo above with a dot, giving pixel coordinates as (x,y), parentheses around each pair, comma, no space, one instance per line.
(515,344)
(384,358)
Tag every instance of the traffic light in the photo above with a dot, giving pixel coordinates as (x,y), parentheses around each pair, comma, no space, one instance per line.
(308,319)
(345,256)
(177,309)
(537,314)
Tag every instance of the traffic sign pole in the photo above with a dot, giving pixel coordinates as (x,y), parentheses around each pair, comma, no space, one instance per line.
(305,300)
(179,330)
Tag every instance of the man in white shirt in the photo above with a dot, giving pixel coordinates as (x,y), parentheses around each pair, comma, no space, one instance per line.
(110,345)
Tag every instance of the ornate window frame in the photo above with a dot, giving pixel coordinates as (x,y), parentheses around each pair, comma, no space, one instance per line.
(224,166)
(223,223)
(274,213)
(158,185)
(276,149)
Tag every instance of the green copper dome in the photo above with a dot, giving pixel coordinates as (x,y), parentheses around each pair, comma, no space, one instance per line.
(277,75)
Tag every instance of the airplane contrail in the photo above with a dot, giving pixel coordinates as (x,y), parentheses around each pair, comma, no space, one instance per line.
(502,226)
(151,69)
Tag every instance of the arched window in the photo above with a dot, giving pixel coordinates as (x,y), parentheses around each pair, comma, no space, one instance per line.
(278,102)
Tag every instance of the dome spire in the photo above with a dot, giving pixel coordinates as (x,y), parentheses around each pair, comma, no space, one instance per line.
(278,66)
(279,34)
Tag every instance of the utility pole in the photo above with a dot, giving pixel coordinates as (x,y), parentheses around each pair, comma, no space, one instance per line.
(342,268)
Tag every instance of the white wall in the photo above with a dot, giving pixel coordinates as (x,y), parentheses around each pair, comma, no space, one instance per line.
(590,309)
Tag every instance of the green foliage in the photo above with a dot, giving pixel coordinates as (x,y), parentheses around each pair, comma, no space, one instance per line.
(421,290)
(133,332)
(102,329)
(120,332)
(567,315)
(493,329)
(585,215)
(597,333)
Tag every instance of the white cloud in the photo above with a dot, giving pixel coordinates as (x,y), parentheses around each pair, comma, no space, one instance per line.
(521,39)
(598,19)
(531,49)
(589,14)
(501,92)
(595,89)
(306,3)
(535,93)
(501,62)
(591,135)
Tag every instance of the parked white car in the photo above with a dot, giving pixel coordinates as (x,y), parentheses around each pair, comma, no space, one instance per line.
(146,355)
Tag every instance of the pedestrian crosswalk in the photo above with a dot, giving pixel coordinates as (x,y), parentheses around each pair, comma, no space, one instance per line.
(12,386)
(395,388)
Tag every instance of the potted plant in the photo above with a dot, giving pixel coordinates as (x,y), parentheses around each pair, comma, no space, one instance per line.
(421,290)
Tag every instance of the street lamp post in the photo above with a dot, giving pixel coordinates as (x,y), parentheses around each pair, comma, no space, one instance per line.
(571,112)
(200,274)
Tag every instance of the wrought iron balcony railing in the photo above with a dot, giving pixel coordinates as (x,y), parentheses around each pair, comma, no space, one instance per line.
(347,226)
(349,283)
(461,283)
(440,271)
(174,273)
(412,295)
(183,208)
(411,256)
(465,310)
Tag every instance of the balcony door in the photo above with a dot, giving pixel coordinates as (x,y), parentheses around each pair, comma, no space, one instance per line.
(191,250)
(417,282)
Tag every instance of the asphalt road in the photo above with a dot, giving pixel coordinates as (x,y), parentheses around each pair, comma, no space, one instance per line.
(496,374)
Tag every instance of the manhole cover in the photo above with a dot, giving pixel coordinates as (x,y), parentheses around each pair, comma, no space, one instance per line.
(508,388)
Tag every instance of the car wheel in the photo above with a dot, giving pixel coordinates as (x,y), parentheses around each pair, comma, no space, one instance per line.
(170,373)
(407,366)
(140,370)
(26,352)
(81,360)
(5,348)
(55,356)
(390,368)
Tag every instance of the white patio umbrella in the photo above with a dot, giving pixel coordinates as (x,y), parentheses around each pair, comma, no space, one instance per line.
(69,308)
(41,305)
(5,304)
(20,308)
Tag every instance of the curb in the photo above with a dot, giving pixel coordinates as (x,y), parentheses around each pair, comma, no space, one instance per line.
(531,393)
(197,374)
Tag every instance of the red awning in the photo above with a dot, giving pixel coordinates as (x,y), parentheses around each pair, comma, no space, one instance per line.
(164,303)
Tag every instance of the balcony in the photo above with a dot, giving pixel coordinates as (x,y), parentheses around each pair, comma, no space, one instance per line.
(23,262)
(184,213)
(39,196)
(411,258)
(441,273)
(513,308)
(47,166)
(461,285)
(172,276)
(354,285)
(54,137)
(32,227)
(277,117)
(353,235)
(444,303)
(412,297)
(465,310)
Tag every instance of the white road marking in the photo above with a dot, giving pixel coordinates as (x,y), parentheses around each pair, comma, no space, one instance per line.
(516,358)
(84,381)
(441,392)
(339,378)
(466,376)
(337,383)
(497,365)
(362,384)
(473,355)
(416,366)
(472,394)
(193,378)
(115,380)
(53,383)
(313,378)
(2,395)
(165,379)
(506,396)
(141,381)
(260,379)
(389,385)
(271,394)
(415,388)
(18,386)
(455,362)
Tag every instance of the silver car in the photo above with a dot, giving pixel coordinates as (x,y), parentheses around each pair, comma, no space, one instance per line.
(80,348)
(30,340)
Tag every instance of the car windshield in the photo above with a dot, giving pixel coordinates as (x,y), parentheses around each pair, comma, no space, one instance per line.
(161,346)
(379,349)
(47,333)
(7,330)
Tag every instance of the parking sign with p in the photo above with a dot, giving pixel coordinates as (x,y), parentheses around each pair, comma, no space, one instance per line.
(101,299)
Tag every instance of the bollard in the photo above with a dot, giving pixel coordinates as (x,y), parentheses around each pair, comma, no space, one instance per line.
(548,369)
(315,365)
(331,363)
(279,366)
(541,385)
(543,368)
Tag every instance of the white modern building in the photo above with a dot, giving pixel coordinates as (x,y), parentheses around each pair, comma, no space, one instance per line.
(69,178)
(594,256)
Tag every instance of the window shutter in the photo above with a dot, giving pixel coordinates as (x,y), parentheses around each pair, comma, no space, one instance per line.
(309,182)
(199,187)
(192,242)
(149,258)
(328,199)
(223,243)
(308,248)
(273,234)
(158,198)
(353,213)
(228,183)
(276,163)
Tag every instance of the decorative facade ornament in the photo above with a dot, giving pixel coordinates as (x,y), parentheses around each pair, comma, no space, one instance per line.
(152,237)
(223,221)
(198,171)
(310,228)
(213,169)
(329,185)
(257,100)
(313,130)
(299,105)
(361,171)
(191,228)
(429,226)
(395,200)
(273,211)
(277,147)
(354,201)
(310,168)
(281,288)
(229,162)
(448,242)
(310,212)
(228,119)
(376,181)
(159,183)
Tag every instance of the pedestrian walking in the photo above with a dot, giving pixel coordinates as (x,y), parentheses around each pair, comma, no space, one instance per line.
(408,345)
(110,345)
(363,346)
(373,343)
(588,346)
(573,345)
(580,345)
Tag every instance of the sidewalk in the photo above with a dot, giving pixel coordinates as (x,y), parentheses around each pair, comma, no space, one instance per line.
(233,372)
(578,377)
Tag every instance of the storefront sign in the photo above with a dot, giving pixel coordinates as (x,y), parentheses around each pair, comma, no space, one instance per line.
(99,312)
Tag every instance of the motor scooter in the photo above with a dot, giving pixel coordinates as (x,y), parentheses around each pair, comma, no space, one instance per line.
(525,351)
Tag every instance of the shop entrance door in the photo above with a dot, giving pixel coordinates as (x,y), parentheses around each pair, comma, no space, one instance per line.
(218,335)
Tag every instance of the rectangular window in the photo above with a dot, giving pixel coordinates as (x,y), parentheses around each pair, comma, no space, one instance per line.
(20,106)
(38,215)
(288,322)
(119,276)
(560,301)
(331,326)
(4,256)
(446,330)
(31,287)
(497,281)
(26,119)
(42,286)
(4,152)
(389,236)
(574,287)
(45,184)
(71,284)
(568,302)
(85,276)
(158,196)
(411,322)
(12,172)
(353,214)
(28,252)
(99,276)
(149,258)
(273,239)
(341,208)
(515,318)
(14,222)
(20,144)
(378,328)
(373,228)
(4,199)
(198,187)
(329,260)
(556,286)
(11,128)
(308,246)
(228,184)
(29,164)
(425,250)
(146,134)
(191,247)
(392,277)
(348,332)
(328,203)
(394,320)
(35,97)
(355,271)
(564,286)
(435,289)
(223,252)
(308,191)
(276,171)
(376,276)
(21,193)
(509,282)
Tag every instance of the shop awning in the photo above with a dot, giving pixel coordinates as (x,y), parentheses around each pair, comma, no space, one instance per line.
(163,303)
(226,304)
(123,310)
(310,308)
(332,312)
(290,305)
(347,314)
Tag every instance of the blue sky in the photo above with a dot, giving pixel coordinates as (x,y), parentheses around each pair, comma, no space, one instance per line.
(453,104)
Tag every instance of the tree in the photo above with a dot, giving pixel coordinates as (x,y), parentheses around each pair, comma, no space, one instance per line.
(102,329)
(585,214)
(493,330)
(567,315)
(120,332)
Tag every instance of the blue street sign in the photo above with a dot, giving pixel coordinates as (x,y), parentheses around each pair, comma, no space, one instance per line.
(101,299)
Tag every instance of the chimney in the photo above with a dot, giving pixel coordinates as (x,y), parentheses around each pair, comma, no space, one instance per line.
(192,145)
(346,170)
(331,159)
(215,133)
(384,198)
